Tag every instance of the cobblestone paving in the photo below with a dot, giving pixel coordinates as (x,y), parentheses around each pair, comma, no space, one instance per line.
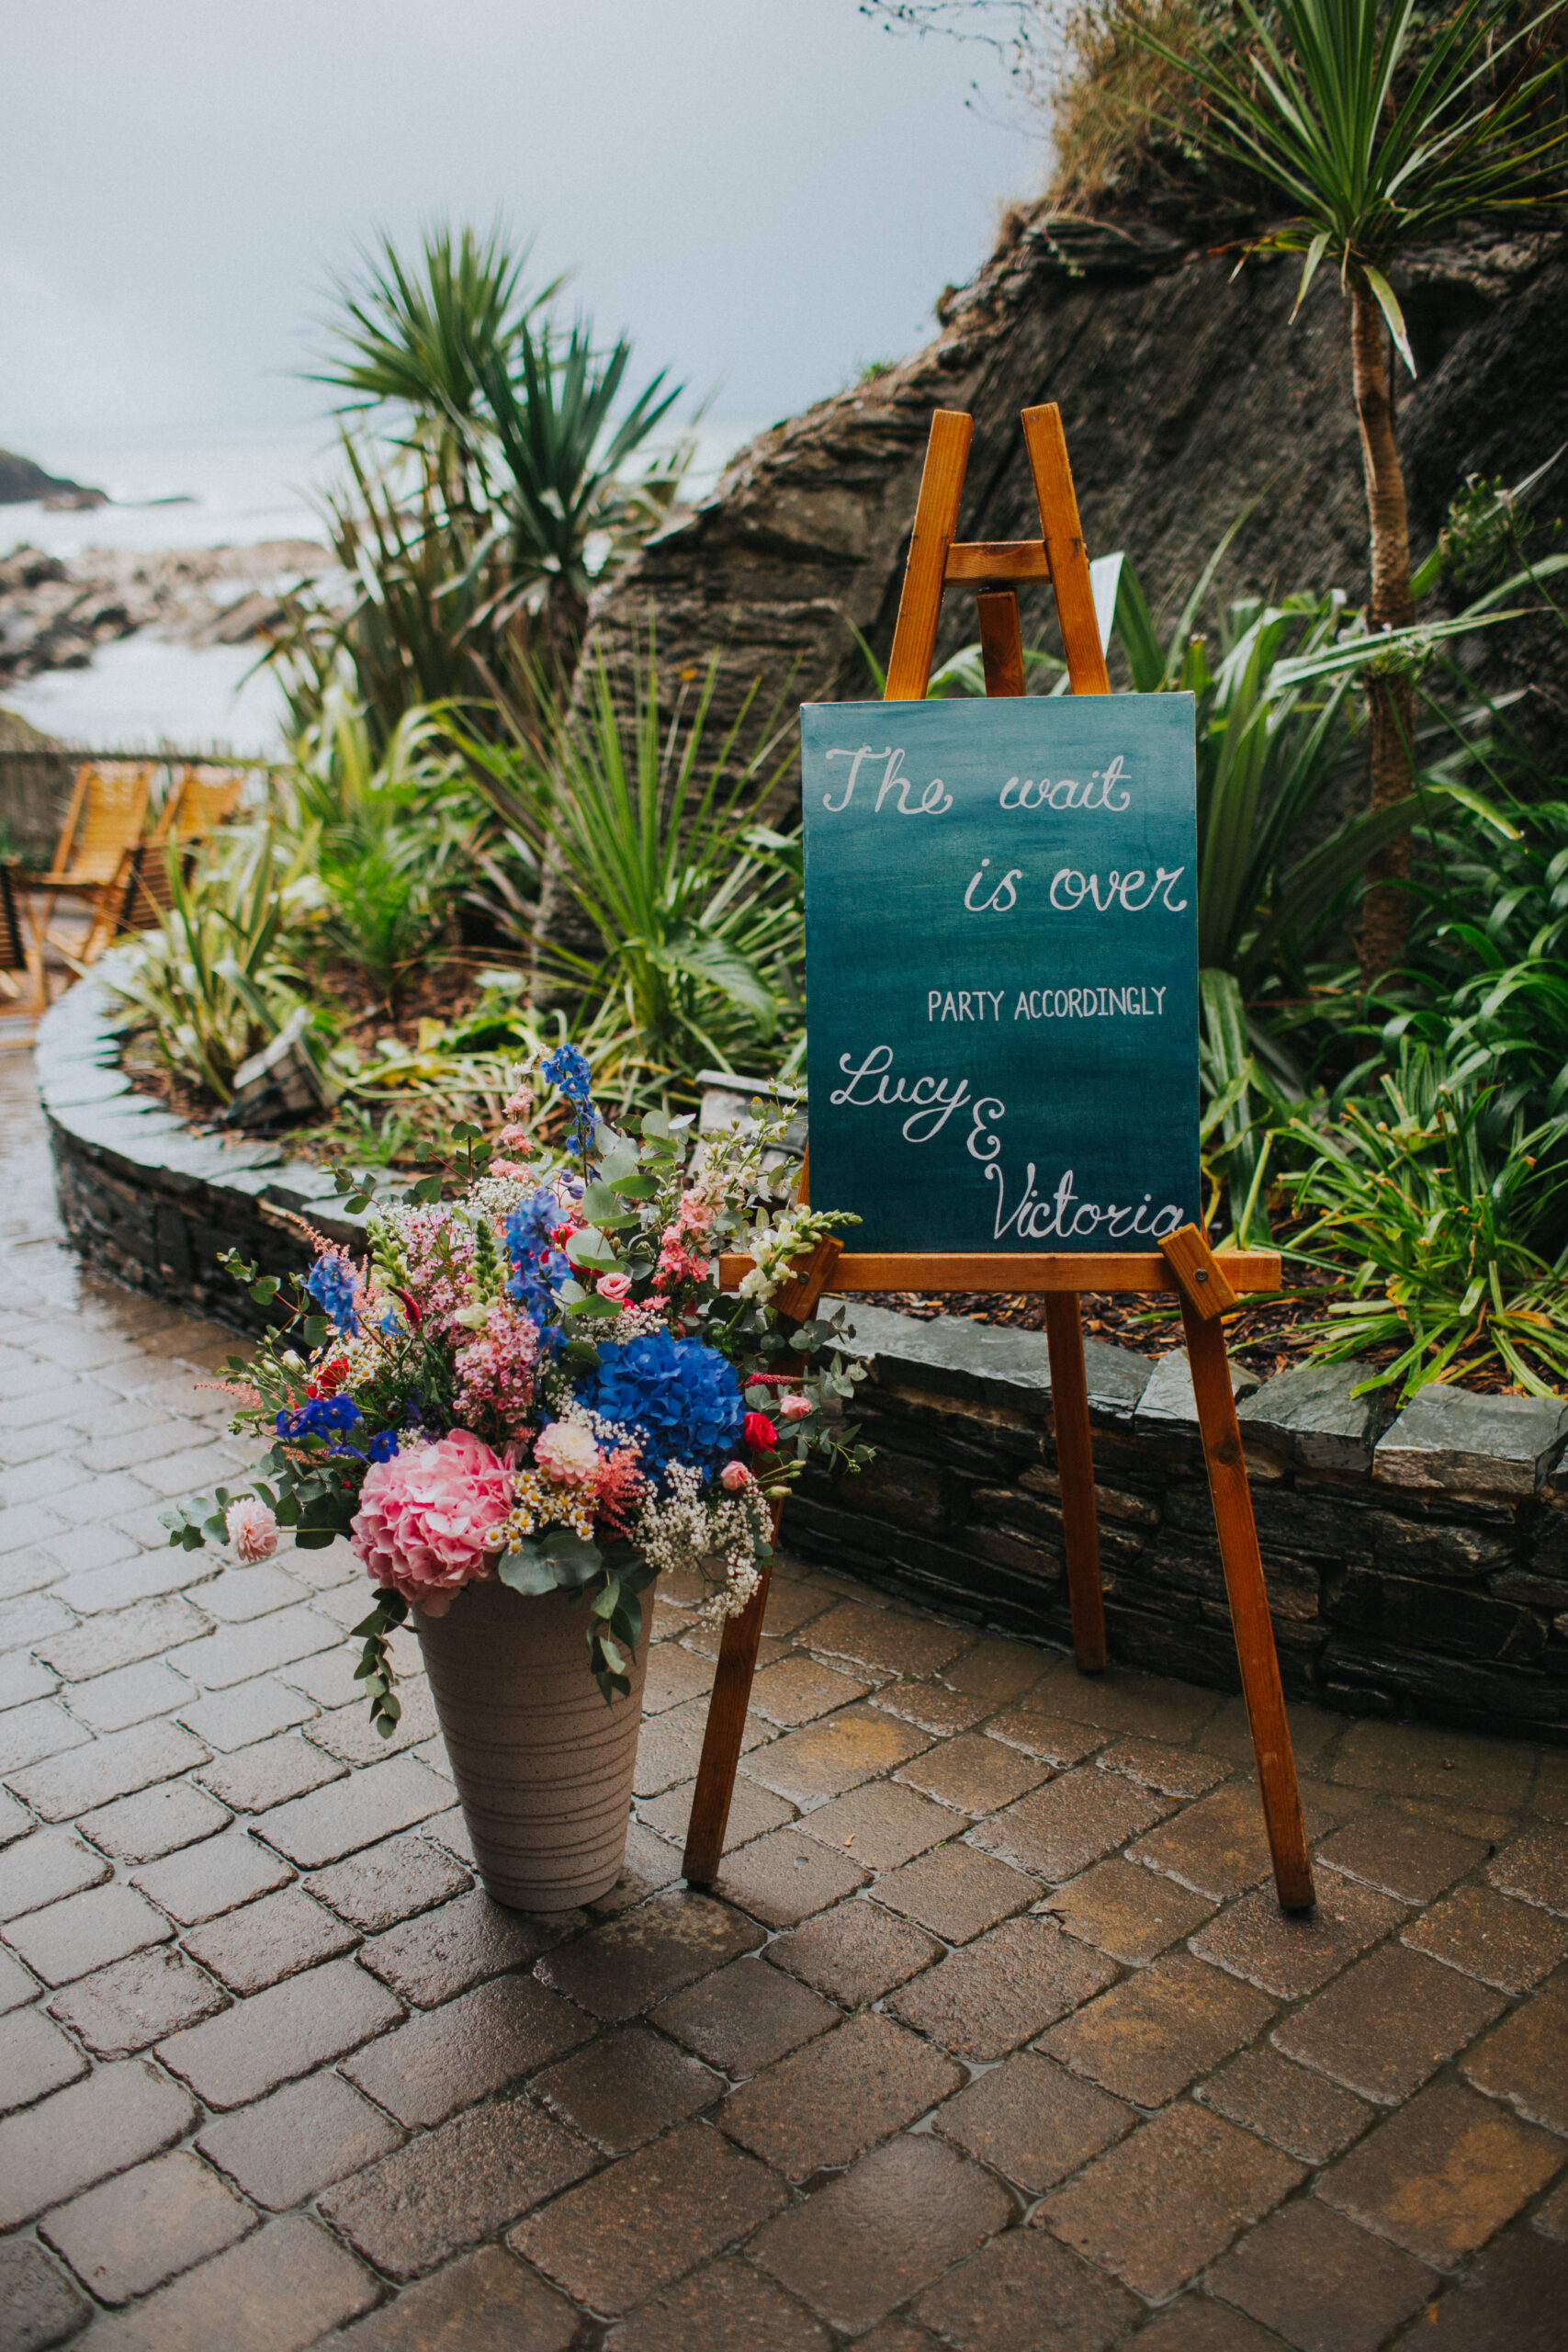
(991,2038)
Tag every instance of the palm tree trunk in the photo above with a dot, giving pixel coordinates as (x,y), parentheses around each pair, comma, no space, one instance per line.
(1386,914)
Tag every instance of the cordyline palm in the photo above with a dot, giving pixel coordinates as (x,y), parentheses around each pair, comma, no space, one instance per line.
(418,333)
(1380,120)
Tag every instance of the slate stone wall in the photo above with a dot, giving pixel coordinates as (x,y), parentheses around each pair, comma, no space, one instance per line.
(1416,1565)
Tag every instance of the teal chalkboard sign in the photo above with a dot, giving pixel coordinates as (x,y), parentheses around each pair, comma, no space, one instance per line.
(1001,929)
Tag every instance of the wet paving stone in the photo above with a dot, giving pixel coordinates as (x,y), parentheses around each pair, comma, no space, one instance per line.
(617,1970)
(482,2302)
(973,1774)
(888,1641)
(855,1952)
(388,1882)
(799,1689)
(626,2087)
(1162,2203)
(1297,2111)
(752,1812)
(43,1868)
(1133,1914)
(80,2135)
(34,2057)
(1146,2040)
(835,1753)
(993,2303)
(1032,2120)
(451,2187)
(299,2140)
(616,2239)
(1217,1847)
(146,2226)
(1445,2173)
(1488,1936)
(728,2307)
(1387,2025)
(1526,2060)
(1051,1740)
(1400,1854)
(430,1959)
(880,1825)
(955,1892)
(1535,1868)
(1290,1955)
(252,2047)
(1322,2282)
(85,1932)
(867,2079)
(870,2239)
(424,2071)
(213,1877)
(286,2285)
(136,2002)
(1512,2301)
(42,2307)
(1060,1829)
(983,2000)
(785,1876)
(254,1947)
(745,2016)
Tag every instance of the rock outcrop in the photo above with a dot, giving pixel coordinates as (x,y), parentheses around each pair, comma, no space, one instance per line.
(21,481)
(1189,398)
(54,614)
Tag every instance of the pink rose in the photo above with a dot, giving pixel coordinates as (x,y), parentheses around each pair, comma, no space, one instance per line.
(428,1519)
(796,1409)
(615,1286)
(733,1477)
(253,1530)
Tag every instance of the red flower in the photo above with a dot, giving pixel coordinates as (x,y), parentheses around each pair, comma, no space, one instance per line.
(329,1379)
(758,1433)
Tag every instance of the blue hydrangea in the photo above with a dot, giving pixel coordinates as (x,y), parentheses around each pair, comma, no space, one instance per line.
(320,1417)
(331,1283)
(682,1399)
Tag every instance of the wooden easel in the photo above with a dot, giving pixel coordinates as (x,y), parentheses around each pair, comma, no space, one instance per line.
(1208,1286)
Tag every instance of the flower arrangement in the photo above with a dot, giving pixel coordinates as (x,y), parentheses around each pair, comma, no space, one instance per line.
(534,1376)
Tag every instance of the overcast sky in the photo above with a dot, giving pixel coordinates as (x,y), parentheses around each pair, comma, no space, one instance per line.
(765,193)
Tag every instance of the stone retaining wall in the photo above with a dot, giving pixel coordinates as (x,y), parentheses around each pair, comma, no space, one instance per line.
(1417,1564)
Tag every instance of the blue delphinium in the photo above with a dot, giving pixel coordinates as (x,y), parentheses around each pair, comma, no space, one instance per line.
(568,1068)
(331,1283)
(536,1263)
(320,1417)
(683,1399)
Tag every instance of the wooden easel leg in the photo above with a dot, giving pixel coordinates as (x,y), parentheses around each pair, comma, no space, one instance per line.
(1075,1464)
(721,1740)
(737,1647)
(1250,1608)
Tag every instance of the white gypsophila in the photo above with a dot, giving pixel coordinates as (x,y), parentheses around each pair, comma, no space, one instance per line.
(678,1530)
(496,1196)
(636,1322)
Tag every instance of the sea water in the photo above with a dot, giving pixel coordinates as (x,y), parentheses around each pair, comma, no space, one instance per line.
(225,486)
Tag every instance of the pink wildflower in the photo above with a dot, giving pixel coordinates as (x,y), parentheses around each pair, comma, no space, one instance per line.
(253,1530)
(428,1520)
(621,1488)
(496,1368)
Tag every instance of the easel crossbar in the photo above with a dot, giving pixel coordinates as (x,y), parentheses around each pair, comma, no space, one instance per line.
(861,1271)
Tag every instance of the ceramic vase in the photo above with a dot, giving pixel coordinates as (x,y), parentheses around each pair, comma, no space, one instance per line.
(543,1765)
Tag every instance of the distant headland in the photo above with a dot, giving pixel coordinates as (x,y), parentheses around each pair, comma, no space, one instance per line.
(21,481)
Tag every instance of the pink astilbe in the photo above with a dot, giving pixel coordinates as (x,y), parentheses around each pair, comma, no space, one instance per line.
(429,1519)
(497,1368)
(620,1489)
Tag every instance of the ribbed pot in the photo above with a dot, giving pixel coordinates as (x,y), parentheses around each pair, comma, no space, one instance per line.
(543,1767)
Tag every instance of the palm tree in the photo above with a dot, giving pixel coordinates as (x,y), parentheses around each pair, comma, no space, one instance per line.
(1380,120)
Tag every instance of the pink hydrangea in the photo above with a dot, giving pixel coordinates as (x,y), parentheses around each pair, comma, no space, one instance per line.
(253,1530)
(428,1520)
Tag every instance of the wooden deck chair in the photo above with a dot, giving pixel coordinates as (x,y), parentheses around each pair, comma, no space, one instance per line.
(21,959)
(106,816)
(203,799)
(200,800)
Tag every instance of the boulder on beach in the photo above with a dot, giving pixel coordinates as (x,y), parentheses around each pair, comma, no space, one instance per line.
(21,480)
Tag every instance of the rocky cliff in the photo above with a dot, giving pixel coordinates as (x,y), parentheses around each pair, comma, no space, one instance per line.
(1187,395)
